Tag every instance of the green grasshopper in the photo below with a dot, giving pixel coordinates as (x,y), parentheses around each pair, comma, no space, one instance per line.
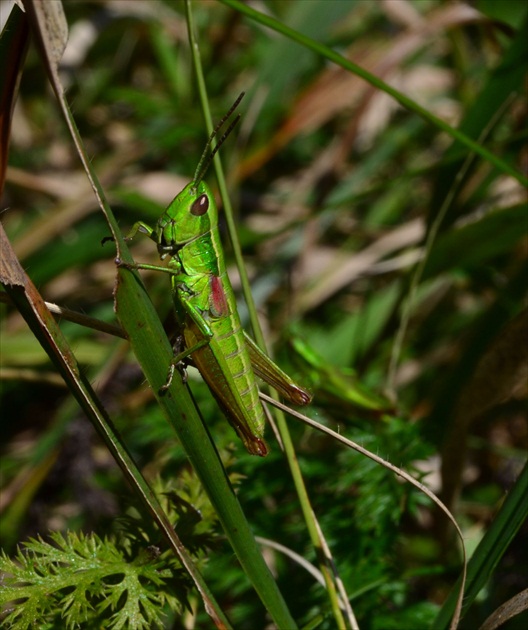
(211,336)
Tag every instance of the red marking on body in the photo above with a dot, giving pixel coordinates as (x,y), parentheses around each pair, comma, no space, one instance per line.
(218,300)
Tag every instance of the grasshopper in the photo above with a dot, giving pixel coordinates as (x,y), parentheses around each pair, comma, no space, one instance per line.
(210,333)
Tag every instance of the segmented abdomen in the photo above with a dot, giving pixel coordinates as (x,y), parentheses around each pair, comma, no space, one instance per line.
(229,335)
(239,364)
(225,366)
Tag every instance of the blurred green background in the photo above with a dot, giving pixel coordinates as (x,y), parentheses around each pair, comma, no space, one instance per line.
(336,189)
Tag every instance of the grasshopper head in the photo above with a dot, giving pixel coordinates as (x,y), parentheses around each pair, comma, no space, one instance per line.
(191,214)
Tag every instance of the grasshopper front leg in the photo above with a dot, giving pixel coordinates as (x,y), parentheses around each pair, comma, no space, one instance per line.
(145,266)
(144,228)
(139,226)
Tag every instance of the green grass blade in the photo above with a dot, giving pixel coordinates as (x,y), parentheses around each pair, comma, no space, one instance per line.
(316,536)
(490,550)
(506,79)
(152,349)
(406,102)
(47,331)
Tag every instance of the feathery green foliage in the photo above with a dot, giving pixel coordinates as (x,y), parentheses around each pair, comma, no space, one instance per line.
(83,580)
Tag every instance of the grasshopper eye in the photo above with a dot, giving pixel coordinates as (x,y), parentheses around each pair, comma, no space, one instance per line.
(200,206)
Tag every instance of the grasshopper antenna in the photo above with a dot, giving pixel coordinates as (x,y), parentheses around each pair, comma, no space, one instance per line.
(208,155)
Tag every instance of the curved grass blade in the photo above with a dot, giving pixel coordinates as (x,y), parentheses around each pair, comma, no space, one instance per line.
(401,98)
